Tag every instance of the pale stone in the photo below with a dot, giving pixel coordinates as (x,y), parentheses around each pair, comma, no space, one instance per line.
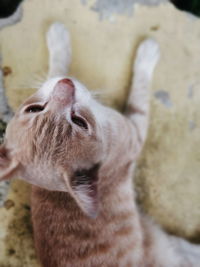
(168,174)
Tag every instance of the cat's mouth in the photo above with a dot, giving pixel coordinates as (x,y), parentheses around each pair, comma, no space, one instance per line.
(64,92)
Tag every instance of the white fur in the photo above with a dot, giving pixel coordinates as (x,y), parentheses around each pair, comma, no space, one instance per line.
(58,41)
(47,88)
(146,59)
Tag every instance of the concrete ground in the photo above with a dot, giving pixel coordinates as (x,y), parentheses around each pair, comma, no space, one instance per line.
(105,35)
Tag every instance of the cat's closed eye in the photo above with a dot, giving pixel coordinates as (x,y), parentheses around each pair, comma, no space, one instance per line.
(79,121)
(34,109)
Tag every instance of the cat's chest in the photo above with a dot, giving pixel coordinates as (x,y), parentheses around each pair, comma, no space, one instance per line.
(62,231)
(56,214)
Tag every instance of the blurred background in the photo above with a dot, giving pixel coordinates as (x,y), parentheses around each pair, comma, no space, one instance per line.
(8,7)
(105,35)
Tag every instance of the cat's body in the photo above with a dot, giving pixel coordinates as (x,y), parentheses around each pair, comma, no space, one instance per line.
(119,237)
(80,157)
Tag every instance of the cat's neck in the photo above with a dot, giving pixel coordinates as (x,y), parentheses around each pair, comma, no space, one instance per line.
(112,236)
(114,199)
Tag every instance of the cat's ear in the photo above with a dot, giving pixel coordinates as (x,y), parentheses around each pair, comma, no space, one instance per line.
(84,189)
(8,165)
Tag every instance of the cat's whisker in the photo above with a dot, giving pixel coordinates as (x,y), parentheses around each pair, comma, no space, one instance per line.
(100,95)
(34,81)
(96,94)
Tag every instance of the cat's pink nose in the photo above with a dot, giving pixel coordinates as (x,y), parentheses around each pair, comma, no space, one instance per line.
(63,92)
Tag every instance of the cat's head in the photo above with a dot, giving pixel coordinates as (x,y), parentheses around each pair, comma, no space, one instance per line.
(59,139)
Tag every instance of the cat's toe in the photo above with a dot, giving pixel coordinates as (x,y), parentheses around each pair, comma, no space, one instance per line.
(148,54)
(58,37)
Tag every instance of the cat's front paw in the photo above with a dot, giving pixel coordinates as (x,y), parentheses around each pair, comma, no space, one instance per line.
(58,39)
(148,54)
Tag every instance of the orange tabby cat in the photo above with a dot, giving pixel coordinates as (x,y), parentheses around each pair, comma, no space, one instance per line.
(80,157)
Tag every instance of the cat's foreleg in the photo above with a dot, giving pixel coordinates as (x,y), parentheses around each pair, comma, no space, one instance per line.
(59,46)
(138,102)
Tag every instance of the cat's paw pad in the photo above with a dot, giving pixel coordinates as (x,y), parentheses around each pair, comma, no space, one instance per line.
(58,38)
(147,56)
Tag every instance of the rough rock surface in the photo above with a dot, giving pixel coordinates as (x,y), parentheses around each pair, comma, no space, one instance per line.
(167,175)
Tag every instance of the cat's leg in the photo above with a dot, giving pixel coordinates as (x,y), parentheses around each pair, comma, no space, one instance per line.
(58,42)
(138,102)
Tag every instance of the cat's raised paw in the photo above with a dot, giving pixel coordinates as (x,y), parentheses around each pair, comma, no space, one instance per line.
(148,54)
(58,42)
(58,39)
